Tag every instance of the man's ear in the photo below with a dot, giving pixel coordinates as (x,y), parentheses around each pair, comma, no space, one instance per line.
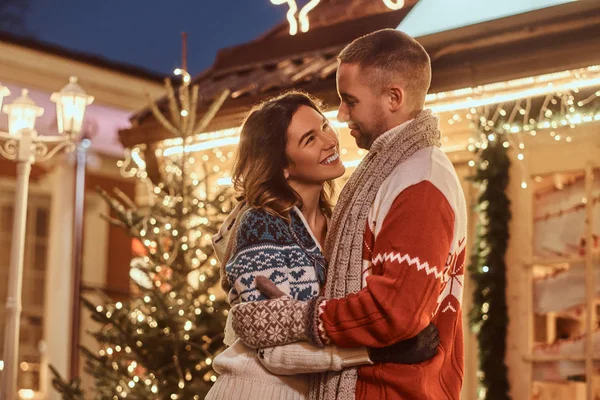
(397,98)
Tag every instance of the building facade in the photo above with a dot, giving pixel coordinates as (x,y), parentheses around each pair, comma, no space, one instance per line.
(45,335)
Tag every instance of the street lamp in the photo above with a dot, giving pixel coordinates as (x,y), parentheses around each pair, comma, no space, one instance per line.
(22,114)
(23,145)
(71,102)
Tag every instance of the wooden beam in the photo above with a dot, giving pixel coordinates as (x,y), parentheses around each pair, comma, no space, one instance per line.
(526,58)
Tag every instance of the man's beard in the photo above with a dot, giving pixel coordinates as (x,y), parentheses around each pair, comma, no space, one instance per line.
(365,139)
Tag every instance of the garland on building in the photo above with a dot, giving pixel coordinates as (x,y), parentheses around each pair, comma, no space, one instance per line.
(489,316)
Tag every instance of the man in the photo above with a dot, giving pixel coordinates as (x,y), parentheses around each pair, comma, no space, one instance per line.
(396,242)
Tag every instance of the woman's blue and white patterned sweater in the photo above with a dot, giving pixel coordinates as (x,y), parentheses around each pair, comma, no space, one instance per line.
(265,245)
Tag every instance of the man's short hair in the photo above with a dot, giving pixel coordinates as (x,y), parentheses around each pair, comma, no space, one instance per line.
(389,56)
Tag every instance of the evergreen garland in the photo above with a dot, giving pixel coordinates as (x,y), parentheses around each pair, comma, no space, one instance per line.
(489,317)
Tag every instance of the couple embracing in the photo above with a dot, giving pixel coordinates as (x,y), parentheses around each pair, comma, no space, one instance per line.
(360,301)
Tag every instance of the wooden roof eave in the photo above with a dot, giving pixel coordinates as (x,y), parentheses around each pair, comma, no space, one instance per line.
(230,116)
(558,38)
(566,40)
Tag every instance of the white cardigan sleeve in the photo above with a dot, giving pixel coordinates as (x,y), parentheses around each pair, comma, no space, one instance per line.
(304,358)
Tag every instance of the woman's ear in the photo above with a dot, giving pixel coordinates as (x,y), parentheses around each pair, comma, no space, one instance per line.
(286,173)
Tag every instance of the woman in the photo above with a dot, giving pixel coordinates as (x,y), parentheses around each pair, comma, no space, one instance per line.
(287,159)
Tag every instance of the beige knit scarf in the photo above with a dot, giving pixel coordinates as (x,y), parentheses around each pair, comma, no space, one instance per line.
(345,237)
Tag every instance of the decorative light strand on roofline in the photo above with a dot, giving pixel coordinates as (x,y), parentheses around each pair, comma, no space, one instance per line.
(558,110)
(523,88)
(223,137)
(455,100)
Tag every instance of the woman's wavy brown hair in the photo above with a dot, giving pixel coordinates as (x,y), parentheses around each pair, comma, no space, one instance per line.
(261,157)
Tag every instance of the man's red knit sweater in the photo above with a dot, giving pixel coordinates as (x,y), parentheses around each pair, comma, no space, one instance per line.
(414,254)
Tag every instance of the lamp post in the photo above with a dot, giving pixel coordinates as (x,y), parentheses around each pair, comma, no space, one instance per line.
(71,102)
(23,145)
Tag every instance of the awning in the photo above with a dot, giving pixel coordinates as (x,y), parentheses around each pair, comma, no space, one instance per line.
(434,16)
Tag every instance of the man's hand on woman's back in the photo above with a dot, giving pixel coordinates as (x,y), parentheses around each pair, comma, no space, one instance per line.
(415,350)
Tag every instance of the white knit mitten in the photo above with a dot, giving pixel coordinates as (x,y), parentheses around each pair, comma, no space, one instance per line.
(303,358)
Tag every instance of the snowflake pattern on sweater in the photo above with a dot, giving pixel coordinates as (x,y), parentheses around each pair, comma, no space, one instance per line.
(266,246)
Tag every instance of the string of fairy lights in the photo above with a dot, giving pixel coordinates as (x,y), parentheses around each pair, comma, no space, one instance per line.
(143,320)
(514,110)
(184,196)
(560,110)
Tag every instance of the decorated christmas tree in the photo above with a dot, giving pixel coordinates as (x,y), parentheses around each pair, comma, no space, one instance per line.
(160,343)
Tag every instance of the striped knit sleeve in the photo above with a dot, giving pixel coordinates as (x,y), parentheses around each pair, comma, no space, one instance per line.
(409,255)
(259,250)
